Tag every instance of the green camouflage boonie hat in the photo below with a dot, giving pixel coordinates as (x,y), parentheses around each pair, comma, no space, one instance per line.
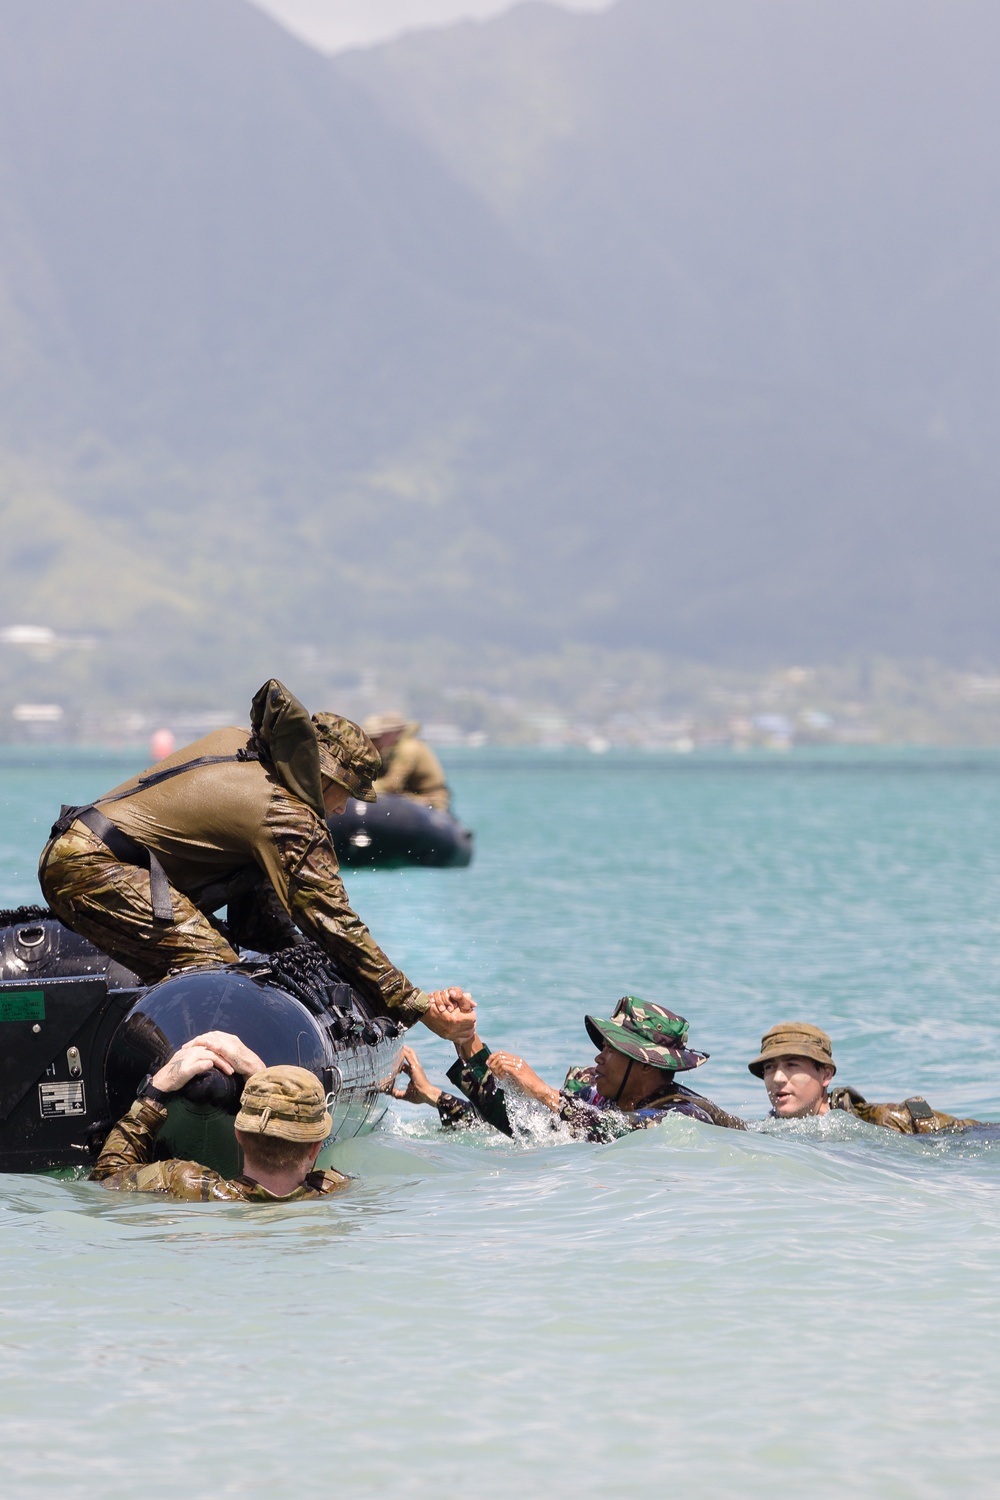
(346,755)
(285,1102)
(647,1033)
(793,1039)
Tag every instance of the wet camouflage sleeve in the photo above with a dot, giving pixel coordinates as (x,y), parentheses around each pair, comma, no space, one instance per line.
(454,1112)
(593,1118)
(481,1089)
(299,859)
(913,1117)
(581,1107)
(125,1164)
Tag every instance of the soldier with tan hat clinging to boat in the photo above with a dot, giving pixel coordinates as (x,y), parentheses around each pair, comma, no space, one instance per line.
(282,1124)
(796,1066)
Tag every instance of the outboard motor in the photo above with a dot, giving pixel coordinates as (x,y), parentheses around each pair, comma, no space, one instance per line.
(61,1000)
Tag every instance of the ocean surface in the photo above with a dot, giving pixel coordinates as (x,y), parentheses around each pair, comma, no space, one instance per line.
(805,1310)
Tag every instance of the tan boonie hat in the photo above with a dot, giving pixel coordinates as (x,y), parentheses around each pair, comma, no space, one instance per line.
(793,1039)
(346,755)
(376,724)
(285,1102)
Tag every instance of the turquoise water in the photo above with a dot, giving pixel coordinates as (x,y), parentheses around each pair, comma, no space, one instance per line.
(813,1310)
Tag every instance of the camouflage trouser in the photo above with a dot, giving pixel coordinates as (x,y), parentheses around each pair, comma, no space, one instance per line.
(109,903)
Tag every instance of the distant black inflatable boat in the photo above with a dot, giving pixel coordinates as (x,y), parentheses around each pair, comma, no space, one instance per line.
(399,831)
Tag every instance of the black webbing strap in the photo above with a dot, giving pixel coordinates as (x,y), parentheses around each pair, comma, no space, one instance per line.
(127,849)
(130,853)
(621,1086)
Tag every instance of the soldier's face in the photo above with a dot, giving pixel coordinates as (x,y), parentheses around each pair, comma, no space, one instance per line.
(796,1086)
(610,1071)
(334,797)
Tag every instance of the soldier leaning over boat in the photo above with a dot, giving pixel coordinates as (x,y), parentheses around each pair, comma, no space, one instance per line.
(409,766)
(237,821)
(796,1066)
(631,1086)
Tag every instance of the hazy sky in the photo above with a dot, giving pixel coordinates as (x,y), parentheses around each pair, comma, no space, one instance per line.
(336,24)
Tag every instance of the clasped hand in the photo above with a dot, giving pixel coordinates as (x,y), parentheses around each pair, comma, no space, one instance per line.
(451,1014)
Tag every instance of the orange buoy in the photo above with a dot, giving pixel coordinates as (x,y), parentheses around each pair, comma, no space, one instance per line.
(162,744)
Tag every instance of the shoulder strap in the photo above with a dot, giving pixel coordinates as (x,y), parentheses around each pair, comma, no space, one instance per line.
(69,815)
(155,777)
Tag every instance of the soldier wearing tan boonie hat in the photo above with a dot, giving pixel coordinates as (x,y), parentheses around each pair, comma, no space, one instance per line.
(409,766)
(793,1039)
(282,1124)
(284,1102)
(796,1065)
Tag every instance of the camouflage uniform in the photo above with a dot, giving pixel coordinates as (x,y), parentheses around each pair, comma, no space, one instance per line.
(280,1103)
(411,769)
(589,1116)
(642,1031)
(126,1163)
(228,832)
(913,1117)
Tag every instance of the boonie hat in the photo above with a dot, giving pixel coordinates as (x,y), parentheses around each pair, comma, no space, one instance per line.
(648,1033)
(346,755)
(286,1102)
(793,1039)
(376,724)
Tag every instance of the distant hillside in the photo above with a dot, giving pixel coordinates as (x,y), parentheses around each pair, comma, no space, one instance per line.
(799,192)
(672,327)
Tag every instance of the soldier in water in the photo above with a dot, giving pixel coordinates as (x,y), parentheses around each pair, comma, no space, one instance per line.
(797,1068)
(631,1086)
(409,766)
(282,1124)
(240,821)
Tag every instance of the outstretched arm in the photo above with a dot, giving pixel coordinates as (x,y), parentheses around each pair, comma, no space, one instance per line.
(509,1068)
(420,1090)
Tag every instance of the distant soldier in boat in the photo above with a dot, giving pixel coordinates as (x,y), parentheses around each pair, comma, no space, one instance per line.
(237,821)
(797,1068)
(409,766)
(282,1124)
(631,1086)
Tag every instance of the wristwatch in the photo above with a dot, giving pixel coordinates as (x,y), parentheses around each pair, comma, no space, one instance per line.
(148,1090)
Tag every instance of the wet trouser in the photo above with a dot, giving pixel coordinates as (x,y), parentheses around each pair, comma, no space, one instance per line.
(110,903)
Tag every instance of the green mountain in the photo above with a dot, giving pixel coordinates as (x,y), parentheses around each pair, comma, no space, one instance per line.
(672,327)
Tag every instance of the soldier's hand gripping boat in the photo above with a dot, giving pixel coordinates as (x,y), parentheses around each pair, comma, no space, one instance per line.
(79,1033)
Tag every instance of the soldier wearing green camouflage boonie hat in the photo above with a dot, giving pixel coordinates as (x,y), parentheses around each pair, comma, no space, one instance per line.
(648,1034)
(630,1087)
(236,821)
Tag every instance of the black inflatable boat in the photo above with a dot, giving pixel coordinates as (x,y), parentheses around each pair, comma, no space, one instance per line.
(79,1033)
(399,831)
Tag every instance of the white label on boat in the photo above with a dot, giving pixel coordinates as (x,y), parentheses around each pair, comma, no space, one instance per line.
(57,1100)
